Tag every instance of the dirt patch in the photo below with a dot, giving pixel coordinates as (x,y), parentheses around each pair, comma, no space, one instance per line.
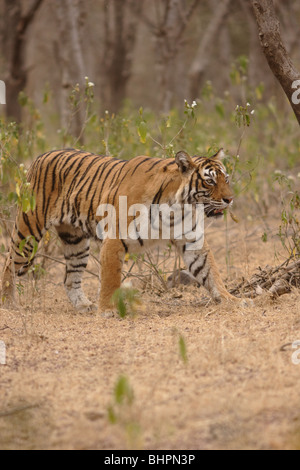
(238,389)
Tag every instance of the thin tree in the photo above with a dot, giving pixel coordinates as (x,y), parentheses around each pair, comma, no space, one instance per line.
(203,53)
(15,26)
(115,66)
(71,61)
(171,21)
(276,53)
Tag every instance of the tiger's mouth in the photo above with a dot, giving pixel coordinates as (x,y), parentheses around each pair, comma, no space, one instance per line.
(213,212)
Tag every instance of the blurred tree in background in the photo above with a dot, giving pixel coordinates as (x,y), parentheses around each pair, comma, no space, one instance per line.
(155,53)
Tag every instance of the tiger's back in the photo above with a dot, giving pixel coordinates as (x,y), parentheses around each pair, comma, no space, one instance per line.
(70,185)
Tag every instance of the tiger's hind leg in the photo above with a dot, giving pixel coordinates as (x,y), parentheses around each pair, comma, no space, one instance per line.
(25,238)
(76,252)
(202,267)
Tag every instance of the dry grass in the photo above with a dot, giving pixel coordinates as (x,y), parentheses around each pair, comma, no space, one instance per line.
(238,390)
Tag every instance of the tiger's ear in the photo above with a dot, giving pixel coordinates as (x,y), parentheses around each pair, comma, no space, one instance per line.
(220,155)
(185,163)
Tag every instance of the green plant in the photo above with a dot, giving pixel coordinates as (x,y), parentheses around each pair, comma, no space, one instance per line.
(126,300)
(182,349)
(289,229)
(123,413)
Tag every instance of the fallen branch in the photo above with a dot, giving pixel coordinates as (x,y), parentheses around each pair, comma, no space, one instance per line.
(277,281)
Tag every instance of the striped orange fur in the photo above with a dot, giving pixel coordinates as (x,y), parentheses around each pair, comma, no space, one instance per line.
(69,186)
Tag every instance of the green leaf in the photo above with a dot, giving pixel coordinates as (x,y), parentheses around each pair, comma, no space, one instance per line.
(25,205)
(142,131)
(220,109)
(122,310)
(32,201)
(182,349)
(111,415)
(123,391)
(22,246)
(35,248)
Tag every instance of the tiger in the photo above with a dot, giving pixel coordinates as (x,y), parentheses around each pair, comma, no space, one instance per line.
(69,186)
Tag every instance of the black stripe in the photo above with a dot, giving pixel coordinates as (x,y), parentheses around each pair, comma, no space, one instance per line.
(101,167)
(119,185)
(72,271)
(205,277)
(107,175)
(200,268)
(154,164)
(79,266)
(125,246)
(20,235)
(115,177)
(57,157)
(77,255)
(69,239)
(27,223)
(96,189)
(158,195)
(139,164)
(192,264)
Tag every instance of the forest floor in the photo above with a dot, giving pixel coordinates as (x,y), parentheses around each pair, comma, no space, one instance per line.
(238,388)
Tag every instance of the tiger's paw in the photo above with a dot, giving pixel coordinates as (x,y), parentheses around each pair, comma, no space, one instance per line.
(8,296)
(246,303)
(239,301)
(106,314)
(86,307)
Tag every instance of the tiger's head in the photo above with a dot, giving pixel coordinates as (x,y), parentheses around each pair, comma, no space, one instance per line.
(205,182)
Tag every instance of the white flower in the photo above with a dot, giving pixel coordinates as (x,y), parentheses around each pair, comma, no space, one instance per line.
(248,104)
(91,84)
(127,285)
(194,104)
(253,111)
(278,172)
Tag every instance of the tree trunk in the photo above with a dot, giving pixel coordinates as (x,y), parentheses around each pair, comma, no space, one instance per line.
(14,42)
(172,19)
(120,28)
(276,53)
(72,65)
(202,56)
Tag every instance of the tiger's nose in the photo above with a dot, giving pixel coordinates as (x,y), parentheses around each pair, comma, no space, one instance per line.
(228,200)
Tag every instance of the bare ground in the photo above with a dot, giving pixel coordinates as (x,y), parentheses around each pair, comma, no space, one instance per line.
(238,389)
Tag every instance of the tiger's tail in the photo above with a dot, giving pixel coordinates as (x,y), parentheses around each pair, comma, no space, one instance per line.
(24,244)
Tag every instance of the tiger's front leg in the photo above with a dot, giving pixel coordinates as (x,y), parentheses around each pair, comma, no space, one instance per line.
(202,267)
(111,260)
